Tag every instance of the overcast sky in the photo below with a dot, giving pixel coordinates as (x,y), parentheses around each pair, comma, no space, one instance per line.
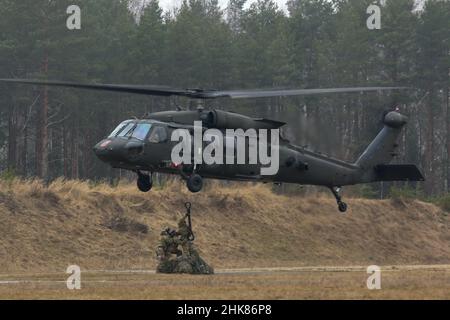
(170,4)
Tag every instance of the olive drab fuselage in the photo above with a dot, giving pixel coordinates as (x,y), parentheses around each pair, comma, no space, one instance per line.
(297,164)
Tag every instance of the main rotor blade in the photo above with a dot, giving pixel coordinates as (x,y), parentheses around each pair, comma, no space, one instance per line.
(136,89)
(248,94)
(198,93)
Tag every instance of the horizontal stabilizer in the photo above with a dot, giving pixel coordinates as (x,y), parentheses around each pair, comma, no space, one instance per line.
(398,172)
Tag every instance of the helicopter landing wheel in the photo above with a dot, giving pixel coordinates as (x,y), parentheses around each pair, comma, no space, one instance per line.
(195,183)
(144,182)
(342,207)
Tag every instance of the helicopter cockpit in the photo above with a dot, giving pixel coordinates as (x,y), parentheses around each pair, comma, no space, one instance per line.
(128,140)
(131,129)
(124,143)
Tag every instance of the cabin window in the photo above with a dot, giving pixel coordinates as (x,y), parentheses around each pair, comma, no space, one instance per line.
(141,131)
(158,135)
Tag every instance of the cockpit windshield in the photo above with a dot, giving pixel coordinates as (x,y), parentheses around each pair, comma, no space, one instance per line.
(126,130)
(118,129)
(141,131)
(131,129)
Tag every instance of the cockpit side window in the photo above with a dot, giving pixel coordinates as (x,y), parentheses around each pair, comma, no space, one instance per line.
(141,131)
(129,127)
(158,135)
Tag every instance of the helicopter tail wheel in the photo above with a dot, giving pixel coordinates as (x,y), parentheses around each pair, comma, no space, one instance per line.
(195,183)
(342,206)
(144,182)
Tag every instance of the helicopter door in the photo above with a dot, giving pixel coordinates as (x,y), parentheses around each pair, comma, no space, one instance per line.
(158,147)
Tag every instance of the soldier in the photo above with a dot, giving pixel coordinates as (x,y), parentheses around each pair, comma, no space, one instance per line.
(169,244)
(184,234)
(199,266)
(188,260)
(167,247)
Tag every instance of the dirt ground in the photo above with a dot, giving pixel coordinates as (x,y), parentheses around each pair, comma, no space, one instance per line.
(400,282)
(44,229)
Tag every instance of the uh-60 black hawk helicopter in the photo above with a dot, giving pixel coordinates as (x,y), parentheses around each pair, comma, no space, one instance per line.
(144,146)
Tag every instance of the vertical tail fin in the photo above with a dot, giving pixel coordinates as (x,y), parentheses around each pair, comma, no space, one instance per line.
(383,149)
(376,158)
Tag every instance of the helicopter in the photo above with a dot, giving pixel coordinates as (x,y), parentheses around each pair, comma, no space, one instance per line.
(145,145)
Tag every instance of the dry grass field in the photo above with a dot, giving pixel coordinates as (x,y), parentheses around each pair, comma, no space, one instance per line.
(397,283)
(45,229)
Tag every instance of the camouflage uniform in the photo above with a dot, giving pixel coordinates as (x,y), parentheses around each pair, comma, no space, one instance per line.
(190,262)
(187,261)
(168,244)
(184,234)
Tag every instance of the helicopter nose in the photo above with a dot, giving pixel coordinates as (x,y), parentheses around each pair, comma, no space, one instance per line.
(134,149)
(118,151)
(105,151)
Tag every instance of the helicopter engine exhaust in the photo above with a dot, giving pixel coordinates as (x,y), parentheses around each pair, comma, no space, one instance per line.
(229,120)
